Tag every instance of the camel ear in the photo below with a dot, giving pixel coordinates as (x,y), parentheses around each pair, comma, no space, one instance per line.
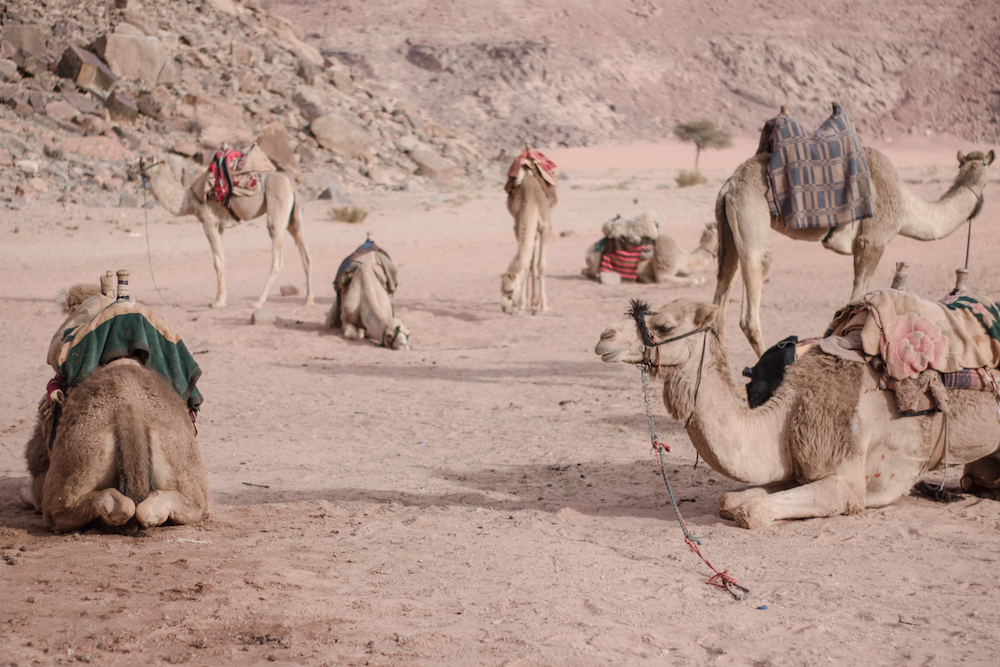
(961,158)
(705,315)
(989,158)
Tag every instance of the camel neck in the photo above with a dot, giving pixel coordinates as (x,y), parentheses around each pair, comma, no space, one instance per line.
(929,221)
(171,194)
(738,442)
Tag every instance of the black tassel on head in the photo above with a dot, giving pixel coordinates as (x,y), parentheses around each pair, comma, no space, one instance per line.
(638,311)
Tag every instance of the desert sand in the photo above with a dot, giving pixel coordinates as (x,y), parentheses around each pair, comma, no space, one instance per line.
(489,497)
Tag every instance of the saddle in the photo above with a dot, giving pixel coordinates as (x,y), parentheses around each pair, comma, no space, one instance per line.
(233,174)
(625,244)
(544,168)
(367,252)
(817,179)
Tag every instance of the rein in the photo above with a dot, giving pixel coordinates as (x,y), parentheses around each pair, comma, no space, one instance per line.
(638,311)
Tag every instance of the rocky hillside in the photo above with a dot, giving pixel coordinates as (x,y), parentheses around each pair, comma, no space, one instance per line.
(87,87)
(591,71)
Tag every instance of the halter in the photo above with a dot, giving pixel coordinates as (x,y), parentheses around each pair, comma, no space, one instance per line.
(395,334)
(638,311)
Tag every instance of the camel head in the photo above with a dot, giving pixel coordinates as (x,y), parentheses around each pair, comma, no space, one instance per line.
(623,341)
(972,170)
(396,336)
(70,298)
(509,287)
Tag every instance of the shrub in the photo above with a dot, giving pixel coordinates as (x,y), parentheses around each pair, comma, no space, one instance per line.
(353,214)
(686,178)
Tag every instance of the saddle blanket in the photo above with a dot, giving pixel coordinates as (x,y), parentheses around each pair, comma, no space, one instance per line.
(233,174)
(368,251)
(621,257)
(103,330)
(912,335)
(817,179)
(532,158)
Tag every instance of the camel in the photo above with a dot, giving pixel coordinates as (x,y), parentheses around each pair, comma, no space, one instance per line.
(124,447)
(672,265)
(277,199)
(530,202)
(744,219)
(827,442)
(366,310)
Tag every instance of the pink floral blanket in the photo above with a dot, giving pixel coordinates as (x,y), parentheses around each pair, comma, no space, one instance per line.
(911,334)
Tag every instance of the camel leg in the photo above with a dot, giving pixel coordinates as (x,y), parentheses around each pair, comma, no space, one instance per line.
(277,259)
(543,243)
(107,504)
(681,281)
(843,493)
(159,506)
(728,268)
(754,271)
(295,229)
(352,332)
(729,501)
(867,253)
(213,231)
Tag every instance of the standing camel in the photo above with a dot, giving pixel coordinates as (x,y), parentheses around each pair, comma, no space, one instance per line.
(744,219)
(530,202)
(277,199)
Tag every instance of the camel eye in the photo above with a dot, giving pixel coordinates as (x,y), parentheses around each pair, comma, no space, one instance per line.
(663,331)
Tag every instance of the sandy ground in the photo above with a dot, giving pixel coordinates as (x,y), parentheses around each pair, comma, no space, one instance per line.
(488,497)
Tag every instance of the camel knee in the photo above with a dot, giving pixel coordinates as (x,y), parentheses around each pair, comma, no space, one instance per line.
(172,505)
(728,502)
(113,507)
(352,332)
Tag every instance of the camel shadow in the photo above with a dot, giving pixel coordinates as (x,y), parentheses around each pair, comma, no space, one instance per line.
(560,374)
(634,490)
(462,315)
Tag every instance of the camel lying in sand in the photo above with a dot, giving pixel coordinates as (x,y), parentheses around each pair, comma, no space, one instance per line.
(277,199)
(124,447)
(672,265)
(827,442)
(364,300)
(745,225)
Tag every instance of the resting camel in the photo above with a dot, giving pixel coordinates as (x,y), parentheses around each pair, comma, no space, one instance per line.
(827,442)
(366,310)
(744,219)
(672,265)
(278,200)
(531,206)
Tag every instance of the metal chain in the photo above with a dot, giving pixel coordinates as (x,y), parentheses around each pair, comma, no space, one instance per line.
(644,371)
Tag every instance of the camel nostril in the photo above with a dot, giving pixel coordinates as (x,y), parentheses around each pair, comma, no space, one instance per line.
(608,333)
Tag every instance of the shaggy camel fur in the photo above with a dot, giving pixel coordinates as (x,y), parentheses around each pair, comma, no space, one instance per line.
(278,200)
(366,310)
(828,441)
(125,446)
(744,219)
(531,206)
(672,265)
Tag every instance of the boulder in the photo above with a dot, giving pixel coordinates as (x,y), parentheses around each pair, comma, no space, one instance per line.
(30,63)
(147,24)
(274,142)
(433,165)
(20,106)
(263,316)
(121,107)
(5,158)
(29,167)
(25,36)
(8,70)
(336,133)
(86,70)
(341,78)
(104,148)
(185,147)
(132,56)
(64,111)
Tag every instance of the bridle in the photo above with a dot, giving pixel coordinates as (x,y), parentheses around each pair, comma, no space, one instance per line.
(638,311)
(395,334)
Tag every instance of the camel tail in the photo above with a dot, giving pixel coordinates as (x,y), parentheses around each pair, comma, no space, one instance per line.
(726,239)
(134,450)
(295,219)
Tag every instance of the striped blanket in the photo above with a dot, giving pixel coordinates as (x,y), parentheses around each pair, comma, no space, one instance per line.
(117,329)
(621,257)
(233,174)
(818,179)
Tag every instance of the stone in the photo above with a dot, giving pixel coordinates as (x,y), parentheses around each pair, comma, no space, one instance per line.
(149,105)
(31,63)
(5,158)
(121,107)
(171,74)
(113,184)
(64,111)
(224,6)
(185,147)
(609,278)
(38,185)
(25,36)
(52,152)
(342,80)
(20,106)
(241,55)
(129,200)
(310,110)
(104,148)
(407,143)
(432,164)
(132,56)
(82,103)
(29,167)
(263,316)
(305,153)
(289,290)
(275,144)
(37,101)
(86,70)
(335,132)
(90,123)
(308,70)
(147,24)
(17,147)
(8,70)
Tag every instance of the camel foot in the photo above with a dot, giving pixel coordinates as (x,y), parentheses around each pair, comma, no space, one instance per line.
(27,494)
(352,332)
(309,300)
(114,508)
(218,303)
(154,510)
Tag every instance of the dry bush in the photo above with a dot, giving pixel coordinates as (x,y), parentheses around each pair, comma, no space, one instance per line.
(353,214)
(686,178)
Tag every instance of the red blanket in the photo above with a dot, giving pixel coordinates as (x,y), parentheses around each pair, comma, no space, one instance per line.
(536,158)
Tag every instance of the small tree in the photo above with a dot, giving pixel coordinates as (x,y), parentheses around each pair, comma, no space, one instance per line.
(703,134)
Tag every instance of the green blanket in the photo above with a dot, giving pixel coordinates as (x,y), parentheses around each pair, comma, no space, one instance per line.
(129,329)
